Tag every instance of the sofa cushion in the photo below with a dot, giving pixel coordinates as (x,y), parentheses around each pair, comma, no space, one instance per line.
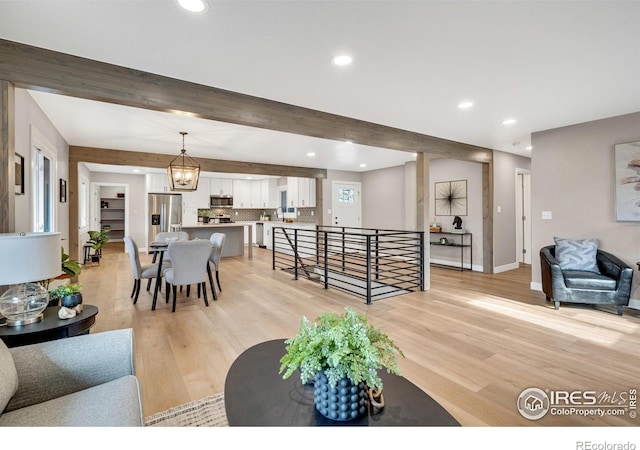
(580,279)
(112,404)
(8,376)
(577,254)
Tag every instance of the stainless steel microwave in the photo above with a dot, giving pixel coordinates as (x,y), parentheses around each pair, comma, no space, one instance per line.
(221,201)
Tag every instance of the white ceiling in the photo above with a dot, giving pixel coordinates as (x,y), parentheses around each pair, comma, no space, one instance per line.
(546,64)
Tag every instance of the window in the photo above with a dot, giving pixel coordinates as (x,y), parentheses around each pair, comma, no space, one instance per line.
(83,218)
(345,195)
(43,189)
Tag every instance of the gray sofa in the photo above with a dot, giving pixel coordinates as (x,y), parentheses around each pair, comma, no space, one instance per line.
(80,381)
(612,286)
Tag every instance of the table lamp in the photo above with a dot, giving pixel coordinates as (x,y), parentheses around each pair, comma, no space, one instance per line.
(27,258)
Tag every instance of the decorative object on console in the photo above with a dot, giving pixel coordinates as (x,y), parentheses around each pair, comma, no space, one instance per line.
(346,351)
(183,171)
(451,198)
(27,258)
(457,221)
(627,165)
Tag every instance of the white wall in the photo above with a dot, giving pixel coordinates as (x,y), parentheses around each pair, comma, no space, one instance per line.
(573,177)
(442,169)
(504,222)
(28,117)
(383,192)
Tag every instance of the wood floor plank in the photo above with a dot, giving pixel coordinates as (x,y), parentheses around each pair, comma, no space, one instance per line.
(473,342)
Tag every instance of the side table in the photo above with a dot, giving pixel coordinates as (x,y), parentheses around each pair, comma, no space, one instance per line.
(50,327)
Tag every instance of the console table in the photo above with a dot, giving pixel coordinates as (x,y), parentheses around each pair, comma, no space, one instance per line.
(459,240)
(50,328)
(256,395)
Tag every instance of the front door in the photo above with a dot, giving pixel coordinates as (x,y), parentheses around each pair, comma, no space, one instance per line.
(346,206)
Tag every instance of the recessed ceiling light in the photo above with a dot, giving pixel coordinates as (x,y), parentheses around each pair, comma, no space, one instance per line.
(136,170)
(529,147)
(311,154)
(194,6)
(465,105)
(509,121)
(342,60)
(249,178)
(348,142)
(363,165)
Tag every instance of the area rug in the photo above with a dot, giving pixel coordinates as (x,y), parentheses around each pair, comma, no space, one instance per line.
(206,412)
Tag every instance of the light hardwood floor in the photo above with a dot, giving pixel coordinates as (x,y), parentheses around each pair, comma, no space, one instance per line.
(473,342)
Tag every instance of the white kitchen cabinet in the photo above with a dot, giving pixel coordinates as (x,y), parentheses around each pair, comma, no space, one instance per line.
(269,197)
(157,182)
(189,216)
(241,193)
(292,192)
(306,192)
(246,194)
(221,186)
(198,198)
(301,192)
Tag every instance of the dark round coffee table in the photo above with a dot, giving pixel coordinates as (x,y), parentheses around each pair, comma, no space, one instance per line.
(50,327)
(256,395)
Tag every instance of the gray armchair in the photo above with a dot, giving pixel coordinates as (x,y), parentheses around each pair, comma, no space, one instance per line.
(85,380)
(612,286)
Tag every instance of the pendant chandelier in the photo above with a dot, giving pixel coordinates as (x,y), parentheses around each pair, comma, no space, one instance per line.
(183,171)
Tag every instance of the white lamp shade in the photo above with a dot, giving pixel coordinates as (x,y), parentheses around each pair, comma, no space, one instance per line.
(27,257)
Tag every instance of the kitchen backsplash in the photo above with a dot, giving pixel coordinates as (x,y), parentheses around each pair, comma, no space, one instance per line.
(307,215)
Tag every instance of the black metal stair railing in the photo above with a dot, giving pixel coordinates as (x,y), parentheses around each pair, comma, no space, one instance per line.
(367,262)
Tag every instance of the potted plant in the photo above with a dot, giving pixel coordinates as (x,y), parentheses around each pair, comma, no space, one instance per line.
(67,295)
(205,214)
(97,239)
(343,353)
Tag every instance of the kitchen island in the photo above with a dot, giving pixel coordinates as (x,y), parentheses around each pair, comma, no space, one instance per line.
(234,243)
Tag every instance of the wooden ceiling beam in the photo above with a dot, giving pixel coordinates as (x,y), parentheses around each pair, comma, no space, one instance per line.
(161,161)
(49,71)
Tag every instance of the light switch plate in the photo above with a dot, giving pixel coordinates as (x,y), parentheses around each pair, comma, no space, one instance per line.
(546,215)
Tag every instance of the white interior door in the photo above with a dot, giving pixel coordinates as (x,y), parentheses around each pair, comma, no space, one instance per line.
(346,210)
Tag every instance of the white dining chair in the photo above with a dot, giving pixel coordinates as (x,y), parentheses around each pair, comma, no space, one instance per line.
(140,272)
(217,245)
(188,266)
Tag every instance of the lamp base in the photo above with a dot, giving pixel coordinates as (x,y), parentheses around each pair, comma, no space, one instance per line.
(25,321)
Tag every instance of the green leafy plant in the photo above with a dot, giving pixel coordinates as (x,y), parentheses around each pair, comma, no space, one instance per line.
(205,213)
(69,266)
(64,290)
(344,346)
(98,238)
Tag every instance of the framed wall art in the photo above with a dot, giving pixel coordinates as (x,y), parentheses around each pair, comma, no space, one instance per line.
(627,189)
(451,198)
(63,191)
(19,176)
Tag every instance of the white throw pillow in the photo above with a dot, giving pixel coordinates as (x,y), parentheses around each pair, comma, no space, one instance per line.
(577,254)
(8,376)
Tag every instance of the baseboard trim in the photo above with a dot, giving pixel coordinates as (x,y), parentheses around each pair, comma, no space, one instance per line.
(536,286)
(506,267)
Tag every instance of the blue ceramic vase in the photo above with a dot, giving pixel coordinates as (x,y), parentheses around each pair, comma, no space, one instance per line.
(345,401)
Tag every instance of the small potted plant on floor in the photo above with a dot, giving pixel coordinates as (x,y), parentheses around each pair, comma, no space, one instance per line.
(342,355)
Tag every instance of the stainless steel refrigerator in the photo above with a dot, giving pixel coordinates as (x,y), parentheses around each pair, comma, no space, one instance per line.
(165,213)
